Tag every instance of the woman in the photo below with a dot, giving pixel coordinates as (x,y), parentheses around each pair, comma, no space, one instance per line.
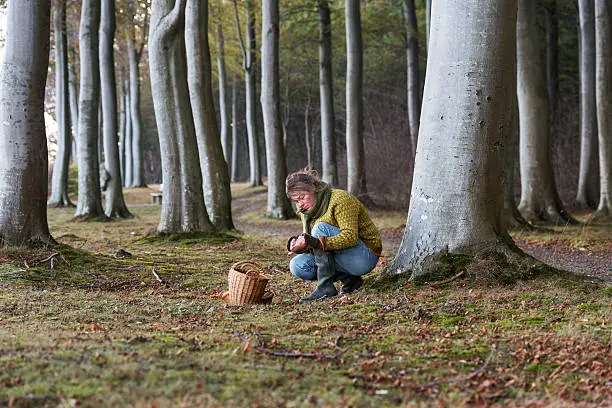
(339,240)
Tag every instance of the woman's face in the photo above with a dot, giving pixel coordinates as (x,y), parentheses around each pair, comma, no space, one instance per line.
(304,199)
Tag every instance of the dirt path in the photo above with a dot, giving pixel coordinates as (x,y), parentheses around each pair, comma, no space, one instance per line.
(597,262)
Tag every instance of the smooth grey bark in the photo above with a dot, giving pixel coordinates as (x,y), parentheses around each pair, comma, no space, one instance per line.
(539,198)
(588,183)
(137,179)
(226,140)
(122,125)
(456,199)
(74,106)
(234,172)
(90,197)
(248,65)
(215,174)
(59,179)
(23,143)
(115,204)
(552,64)
(278,206)
(127,139)
(412,69)
(355,157)
(326,93)
(511,216)
(183,208)
(603,95)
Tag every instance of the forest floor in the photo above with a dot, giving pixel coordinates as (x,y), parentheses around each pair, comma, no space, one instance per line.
(115,316)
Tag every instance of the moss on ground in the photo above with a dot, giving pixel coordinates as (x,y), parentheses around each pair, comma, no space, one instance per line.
(100,329)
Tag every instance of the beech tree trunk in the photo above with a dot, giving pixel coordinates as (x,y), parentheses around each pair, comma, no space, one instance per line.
(74,106)
(603,95)
(412,68)
(115,204)
(122,124)
(23,143)
(217,192)
(183,208)
(226,141)
(552,64)
(588,185)
(457,201)
(355,156)
(326,92)
(279,206)
(90,197)
(539,198)
(234,171)
(127,139)
(251,95)
(137,179)
(59,179)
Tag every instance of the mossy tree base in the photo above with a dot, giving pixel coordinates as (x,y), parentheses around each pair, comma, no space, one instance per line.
(503,264)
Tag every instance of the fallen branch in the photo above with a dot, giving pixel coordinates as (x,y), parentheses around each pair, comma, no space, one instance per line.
(446,280)
(156,275)
(50,257)
(287,354)
(468,377)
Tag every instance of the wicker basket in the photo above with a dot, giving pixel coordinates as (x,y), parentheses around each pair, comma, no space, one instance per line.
(247,283)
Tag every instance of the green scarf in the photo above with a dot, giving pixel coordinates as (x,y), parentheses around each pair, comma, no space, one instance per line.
(322,197)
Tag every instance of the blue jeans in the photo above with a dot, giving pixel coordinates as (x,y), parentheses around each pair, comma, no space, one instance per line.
(356,261)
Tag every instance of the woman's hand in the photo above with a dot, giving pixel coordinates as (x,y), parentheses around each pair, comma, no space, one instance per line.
(297,244)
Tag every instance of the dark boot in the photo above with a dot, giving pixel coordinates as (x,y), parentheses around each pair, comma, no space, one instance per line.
(325,276)
(350,283)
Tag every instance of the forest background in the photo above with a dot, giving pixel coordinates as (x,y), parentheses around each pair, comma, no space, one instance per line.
(386,132)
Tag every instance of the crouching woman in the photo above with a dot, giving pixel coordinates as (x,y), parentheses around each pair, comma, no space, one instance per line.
(339,240)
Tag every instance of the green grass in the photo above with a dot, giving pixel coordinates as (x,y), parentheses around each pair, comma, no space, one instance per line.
(99,329)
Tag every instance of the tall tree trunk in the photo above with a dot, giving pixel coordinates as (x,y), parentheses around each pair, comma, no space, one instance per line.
(115,204)
(456,194)
(226,141)
(122,125)
(552,64)
(235,150)
(539,198)
(279,206)
(183,208)
(355,156)
(588,186)
(127,139)
(90,197)
(74,106)
(217,192)
(412,68)
(251,95)
(136,120)
(603,92)
(326,92)
(23,144)
(59,180)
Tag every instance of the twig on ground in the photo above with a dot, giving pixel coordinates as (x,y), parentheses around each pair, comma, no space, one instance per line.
(446,280)
(156,275)
(288,354)
(50,257)
(70,236)
(468,377)
(462,378)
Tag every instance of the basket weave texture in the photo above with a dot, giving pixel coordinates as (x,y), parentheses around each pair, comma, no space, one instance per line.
(247,283)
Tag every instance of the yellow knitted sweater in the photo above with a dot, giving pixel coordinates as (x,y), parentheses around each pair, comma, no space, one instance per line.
(346,212)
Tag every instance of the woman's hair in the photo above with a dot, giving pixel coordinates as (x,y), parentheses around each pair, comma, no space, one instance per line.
(302,180)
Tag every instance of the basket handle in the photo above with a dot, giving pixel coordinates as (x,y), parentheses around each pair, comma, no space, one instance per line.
(249,265)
